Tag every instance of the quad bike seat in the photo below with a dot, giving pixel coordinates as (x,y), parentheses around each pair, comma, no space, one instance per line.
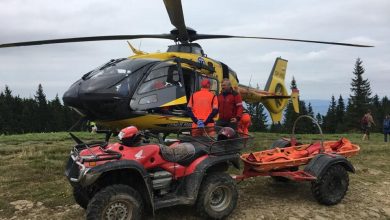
(182,153)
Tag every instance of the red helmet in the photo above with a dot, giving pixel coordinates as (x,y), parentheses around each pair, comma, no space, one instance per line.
(205,83)
(129,135)
(226,133)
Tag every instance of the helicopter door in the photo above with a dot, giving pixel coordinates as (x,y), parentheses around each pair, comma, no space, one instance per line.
(163,87)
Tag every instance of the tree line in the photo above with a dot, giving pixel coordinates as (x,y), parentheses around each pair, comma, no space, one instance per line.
(26,115)
(342,116)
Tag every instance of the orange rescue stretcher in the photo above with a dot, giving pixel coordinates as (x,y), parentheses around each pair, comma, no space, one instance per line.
(294,156)
(282,161)
(325,164)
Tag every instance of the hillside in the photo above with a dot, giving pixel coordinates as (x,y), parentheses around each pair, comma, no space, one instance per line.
(33,185)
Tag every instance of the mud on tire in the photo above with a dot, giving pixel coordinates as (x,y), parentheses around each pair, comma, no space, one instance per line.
(331,187)
(217,196)
(116,202)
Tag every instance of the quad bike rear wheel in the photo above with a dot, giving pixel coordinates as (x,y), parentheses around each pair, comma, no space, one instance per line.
(331,187)
(116,202)
(217,197)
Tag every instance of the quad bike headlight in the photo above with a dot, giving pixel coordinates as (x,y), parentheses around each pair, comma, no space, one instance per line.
(120,135)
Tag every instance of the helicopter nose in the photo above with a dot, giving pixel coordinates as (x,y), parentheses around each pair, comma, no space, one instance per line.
(71,96)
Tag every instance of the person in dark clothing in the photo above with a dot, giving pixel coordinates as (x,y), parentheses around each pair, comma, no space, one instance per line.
(386,126)
(230,106)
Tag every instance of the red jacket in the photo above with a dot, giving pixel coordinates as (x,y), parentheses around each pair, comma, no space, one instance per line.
(230,106)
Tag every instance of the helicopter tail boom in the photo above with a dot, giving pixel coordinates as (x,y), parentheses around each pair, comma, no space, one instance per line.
(274,97)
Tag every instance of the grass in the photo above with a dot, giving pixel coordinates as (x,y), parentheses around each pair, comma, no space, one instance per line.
(32,165)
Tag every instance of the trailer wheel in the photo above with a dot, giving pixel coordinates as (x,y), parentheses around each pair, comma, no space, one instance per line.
(331,187)
(81,196)
(217,196)
(116,202)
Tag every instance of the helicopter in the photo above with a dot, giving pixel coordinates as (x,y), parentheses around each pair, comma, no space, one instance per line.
(151,90)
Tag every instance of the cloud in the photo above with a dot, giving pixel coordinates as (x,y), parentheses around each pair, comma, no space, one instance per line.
(319,70)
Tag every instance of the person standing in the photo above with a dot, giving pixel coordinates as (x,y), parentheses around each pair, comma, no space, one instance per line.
(366,122)
(230,106)
(202,108)
(386,126)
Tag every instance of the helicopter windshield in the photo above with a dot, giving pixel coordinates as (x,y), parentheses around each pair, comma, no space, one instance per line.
(161,76)
(121,66)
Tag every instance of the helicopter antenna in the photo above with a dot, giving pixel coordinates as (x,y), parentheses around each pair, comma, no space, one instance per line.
(250,79)
(139,45)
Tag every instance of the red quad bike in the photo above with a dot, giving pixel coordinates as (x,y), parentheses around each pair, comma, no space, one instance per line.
(121,180)
(325,165)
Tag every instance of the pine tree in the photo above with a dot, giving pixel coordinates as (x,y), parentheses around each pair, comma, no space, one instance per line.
(309,124)
(340,114)
(289,114)
(385,102)
(359,100)
(57,119)
(42,113)
(302,124)
(2,111)
(7,121)
(330,119)
(377,114)
(258,117)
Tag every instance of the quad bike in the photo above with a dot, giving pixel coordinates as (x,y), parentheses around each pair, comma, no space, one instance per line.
(122,180)
(326,164)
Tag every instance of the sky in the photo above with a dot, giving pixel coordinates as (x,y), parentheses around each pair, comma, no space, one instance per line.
(320,70)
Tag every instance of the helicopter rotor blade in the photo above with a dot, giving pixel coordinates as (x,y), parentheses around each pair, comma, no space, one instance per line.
(175,13)
(86,39)
(215,36)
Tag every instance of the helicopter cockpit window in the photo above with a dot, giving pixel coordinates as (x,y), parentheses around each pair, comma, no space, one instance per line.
(162,90)
(160,77)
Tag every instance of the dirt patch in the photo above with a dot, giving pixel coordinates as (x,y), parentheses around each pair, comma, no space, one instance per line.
(25,209)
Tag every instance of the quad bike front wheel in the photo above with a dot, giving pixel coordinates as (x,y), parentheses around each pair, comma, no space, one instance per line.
(81,196)
(116,202)
(217,197)
(331,187)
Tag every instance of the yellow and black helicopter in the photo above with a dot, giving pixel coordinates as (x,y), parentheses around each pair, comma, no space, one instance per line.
(151,90)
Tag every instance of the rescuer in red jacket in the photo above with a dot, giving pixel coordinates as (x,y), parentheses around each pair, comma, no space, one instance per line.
(230,106)
(202,108)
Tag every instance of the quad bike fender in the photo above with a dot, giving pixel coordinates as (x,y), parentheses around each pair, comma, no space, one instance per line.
(320,163)
(95,172)
(207,166)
